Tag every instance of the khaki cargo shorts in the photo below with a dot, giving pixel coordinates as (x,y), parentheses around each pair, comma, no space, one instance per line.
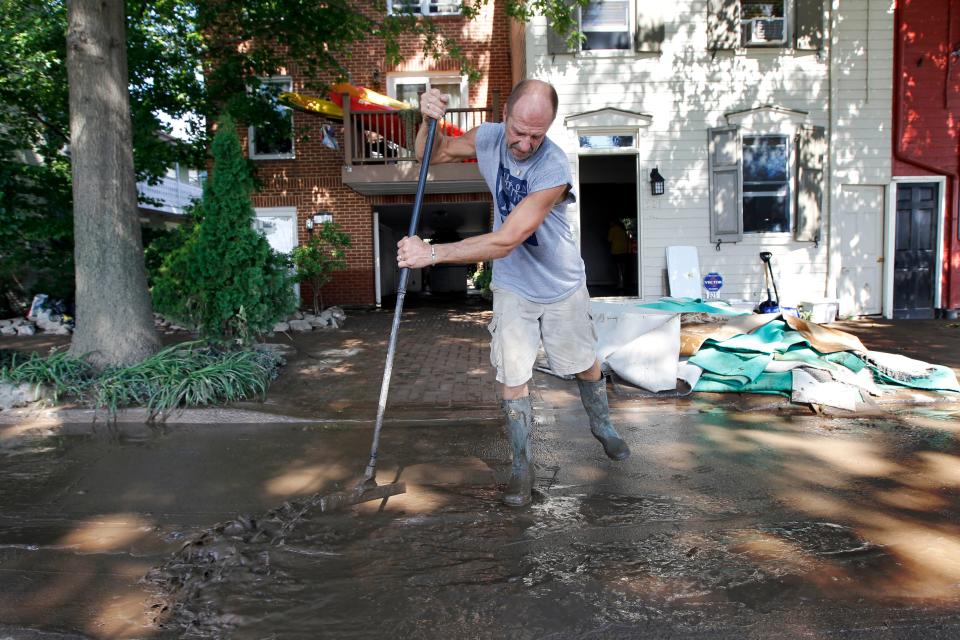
(519,326)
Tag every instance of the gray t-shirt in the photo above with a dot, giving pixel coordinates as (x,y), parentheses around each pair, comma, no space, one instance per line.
(547,266)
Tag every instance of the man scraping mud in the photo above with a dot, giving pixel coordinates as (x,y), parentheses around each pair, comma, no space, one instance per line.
(539,282)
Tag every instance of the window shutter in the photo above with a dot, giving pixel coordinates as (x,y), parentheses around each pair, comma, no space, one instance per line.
(650,26)
(809,29)
(556,43)
(726,176)
(723,24)
(811,154)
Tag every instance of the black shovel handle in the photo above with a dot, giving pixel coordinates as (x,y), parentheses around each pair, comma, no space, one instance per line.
(369,476)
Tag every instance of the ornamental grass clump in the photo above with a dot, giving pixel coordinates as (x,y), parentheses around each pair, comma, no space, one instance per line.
(190,374)
(61,373)
(187,375)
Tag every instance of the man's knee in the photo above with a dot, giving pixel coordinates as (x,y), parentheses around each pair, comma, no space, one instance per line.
(592,374)
(513,393)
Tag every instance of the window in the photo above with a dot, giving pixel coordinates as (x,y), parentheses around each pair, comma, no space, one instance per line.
(606,25)
(733,24)
(614,26)
(762,23)
(606,142)
(424,7)
(274,143)
(766,184)
(409,88)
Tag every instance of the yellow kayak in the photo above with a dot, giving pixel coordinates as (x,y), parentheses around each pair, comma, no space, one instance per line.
(313,105)
(369,96)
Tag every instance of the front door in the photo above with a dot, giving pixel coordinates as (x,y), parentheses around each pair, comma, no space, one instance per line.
(609,224)
(914,267)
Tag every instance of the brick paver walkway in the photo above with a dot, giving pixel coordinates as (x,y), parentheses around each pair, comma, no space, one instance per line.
(442,363)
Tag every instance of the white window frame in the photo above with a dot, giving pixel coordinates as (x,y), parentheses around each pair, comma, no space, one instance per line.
(631,18)
(606,122)
(424,9)
(607,53)
(787,29)
(789,141)
(772,121)
(287,81)
(427,78)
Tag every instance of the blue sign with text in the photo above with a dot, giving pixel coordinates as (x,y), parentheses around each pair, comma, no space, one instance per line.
(712,281)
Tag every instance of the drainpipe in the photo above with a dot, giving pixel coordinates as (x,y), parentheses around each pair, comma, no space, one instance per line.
(952,178)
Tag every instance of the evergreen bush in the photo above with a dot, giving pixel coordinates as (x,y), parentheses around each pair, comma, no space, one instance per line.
(226,279)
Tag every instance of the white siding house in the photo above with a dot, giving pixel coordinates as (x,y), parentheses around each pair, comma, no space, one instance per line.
(762,117)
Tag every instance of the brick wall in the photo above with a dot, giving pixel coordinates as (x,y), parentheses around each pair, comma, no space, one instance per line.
(930,103)
(311,182)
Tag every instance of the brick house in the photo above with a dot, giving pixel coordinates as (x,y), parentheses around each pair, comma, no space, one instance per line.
(367,185)
(925,238)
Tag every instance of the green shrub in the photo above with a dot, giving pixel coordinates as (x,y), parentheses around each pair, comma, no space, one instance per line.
(483,277)
(317,260)
(225,279)
(183,375)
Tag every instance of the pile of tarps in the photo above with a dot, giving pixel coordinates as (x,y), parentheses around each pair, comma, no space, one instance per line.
(681,345)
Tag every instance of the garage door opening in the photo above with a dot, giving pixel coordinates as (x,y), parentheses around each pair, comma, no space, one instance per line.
(440,223)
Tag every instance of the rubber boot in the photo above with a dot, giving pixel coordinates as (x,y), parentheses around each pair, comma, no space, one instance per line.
(519,415)
(593,395)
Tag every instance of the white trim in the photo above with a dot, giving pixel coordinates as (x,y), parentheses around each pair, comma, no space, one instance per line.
(627,151)
(769,117)
(891,229)
(376,258)
(607,120)
(251,152)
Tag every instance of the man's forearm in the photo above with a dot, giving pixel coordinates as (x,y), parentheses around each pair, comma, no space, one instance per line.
(488,246)
(421,142)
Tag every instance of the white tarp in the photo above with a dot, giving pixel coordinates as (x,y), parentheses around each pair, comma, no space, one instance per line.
(640,345)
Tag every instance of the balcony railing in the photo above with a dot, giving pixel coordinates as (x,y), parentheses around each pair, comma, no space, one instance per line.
(388,137)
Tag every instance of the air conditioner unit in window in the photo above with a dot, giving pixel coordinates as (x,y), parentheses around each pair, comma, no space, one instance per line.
(765,31)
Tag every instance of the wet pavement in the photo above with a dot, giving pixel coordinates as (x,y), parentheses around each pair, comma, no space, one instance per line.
(731,519)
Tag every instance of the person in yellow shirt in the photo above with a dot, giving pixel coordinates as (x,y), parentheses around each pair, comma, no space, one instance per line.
(619,249)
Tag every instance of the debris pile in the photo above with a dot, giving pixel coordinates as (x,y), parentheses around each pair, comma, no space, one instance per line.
(43,321)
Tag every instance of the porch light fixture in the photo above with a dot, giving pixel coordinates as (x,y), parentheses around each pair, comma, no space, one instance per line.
(657,183)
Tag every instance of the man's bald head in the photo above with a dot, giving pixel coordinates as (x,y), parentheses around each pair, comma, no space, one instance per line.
(533,94)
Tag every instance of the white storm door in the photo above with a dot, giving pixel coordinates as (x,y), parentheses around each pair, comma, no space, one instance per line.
(860,221)
(279,226)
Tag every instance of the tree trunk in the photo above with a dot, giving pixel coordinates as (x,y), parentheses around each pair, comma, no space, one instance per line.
(114,316)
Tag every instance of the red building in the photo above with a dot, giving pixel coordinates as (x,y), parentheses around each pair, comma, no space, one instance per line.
(367,184)
(926,156)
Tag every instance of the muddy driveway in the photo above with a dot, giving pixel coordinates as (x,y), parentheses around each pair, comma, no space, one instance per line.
(722,524)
